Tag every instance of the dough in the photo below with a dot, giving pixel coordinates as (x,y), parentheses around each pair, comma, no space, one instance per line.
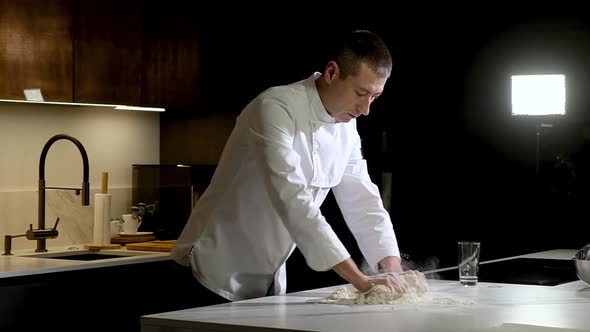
(378,294)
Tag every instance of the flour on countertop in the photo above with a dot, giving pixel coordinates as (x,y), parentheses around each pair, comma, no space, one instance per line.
(380,294)
(451,301)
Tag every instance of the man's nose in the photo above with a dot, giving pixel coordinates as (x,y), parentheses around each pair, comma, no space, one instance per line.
(364,107)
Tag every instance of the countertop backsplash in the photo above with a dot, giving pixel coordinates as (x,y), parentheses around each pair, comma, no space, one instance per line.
(113,139)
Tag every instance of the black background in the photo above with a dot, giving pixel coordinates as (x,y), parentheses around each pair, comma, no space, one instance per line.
(463,168)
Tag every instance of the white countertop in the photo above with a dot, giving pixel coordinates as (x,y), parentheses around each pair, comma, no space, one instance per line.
(19,265)
(485,307)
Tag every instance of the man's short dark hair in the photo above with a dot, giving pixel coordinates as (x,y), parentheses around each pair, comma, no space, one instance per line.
(363,46)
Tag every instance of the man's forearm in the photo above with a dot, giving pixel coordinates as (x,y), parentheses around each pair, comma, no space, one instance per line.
(350,272)
(390,264)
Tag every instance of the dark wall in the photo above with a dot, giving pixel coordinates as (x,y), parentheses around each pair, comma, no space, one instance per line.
(463,167)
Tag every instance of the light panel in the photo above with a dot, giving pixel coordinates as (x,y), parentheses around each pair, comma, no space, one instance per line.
(117,107)
(538,95)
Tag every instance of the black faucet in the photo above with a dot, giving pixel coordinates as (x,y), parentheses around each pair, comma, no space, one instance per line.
(41,234)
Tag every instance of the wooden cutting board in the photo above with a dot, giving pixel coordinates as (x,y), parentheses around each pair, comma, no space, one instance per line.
(95,247)
(132,239)
(158,245)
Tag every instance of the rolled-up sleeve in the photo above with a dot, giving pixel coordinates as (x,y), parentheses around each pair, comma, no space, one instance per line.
(272,131)
(361,206)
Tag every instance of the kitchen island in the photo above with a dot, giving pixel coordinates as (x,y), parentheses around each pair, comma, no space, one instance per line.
(486,307)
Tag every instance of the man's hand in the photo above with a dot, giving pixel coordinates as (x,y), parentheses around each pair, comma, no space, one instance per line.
(398,282)
(350,272)
(394,279)
(391,280)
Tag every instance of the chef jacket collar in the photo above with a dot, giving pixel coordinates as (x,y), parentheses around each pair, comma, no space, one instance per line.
(315,101)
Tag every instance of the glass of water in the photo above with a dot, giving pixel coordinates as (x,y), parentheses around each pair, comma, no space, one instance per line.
(468,257)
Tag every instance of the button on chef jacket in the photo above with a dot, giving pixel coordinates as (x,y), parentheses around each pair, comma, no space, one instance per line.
(283,156)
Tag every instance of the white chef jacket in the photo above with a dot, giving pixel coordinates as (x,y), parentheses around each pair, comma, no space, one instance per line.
(283,156)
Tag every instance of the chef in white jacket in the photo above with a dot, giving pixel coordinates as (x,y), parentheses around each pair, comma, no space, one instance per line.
(290,146)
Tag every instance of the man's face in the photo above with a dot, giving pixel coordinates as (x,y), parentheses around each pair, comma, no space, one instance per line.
(354,94)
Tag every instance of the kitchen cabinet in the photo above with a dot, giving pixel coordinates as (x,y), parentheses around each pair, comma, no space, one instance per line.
(171,62)
(136,52)
(16,303)
(107,42)
(36,49)
(96,299)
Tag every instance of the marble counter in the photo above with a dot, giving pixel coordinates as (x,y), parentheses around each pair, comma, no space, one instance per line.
(27,262)
(485,307)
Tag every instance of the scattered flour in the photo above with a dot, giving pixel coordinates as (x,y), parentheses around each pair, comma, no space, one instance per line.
(451,301)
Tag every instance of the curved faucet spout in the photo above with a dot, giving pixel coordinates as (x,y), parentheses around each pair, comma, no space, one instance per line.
(85,184)
(50,143)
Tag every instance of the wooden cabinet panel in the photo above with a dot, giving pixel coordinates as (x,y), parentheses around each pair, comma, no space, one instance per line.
(133,52)
(107,51)
(171,61)
(36,49)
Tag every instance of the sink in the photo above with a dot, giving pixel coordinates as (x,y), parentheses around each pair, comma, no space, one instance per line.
(85,255)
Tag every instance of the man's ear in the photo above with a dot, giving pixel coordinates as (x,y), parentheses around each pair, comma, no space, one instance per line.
(331,71)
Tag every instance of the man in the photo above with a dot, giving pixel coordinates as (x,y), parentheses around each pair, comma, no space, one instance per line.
(289,147)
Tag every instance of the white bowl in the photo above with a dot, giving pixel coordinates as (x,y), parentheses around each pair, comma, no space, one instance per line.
(583,270)
(582,262)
